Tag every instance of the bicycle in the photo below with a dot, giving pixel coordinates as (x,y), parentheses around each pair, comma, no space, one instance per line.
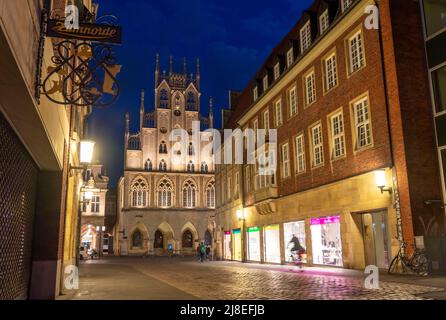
(417,263)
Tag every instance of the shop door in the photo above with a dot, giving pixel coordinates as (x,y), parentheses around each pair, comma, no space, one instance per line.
(227,246)
(237,241)
(18,181)
(374,229)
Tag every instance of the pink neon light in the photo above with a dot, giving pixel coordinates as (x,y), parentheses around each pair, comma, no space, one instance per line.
(326,220)
(227,232)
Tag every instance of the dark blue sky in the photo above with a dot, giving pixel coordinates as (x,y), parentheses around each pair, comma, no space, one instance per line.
(231,38)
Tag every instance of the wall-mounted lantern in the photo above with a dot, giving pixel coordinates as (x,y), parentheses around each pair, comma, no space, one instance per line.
(381,181)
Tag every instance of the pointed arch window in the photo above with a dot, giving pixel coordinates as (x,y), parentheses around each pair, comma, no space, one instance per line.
(210,195)
(139,193)
(163,147)
(148,166)
(190,149)
(204,167)
(164,99)
(189,194)
(191,102)
(165,193)
(163,166)
(190,167)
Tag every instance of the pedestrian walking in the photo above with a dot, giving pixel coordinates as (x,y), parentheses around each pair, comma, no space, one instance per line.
(198,252)
(208,253)
(202,252)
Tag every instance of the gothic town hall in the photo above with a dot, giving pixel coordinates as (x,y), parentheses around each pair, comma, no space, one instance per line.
(166,205)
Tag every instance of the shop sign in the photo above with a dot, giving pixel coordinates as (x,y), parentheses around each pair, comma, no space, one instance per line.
(325,220)
(236,231)
(227,233)
(273,227)
(86,31)
(253,229)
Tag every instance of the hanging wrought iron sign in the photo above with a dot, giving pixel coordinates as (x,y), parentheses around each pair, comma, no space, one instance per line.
(84,68)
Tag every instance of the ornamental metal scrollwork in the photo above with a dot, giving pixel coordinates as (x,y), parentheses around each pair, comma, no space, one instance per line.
(83,74)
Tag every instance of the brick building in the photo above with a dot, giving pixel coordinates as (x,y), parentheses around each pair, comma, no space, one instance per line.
(356,142)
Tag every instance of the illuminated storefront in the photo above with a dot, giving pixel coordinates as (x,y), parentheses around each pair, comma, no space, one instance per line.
(227,253)
(294,236)
(272,243)
(237,244)
(253,239)
(326,241)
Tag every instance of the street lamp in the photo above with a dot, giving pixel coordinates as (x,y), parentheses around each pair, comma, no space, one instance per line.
(86,149)
(381,181)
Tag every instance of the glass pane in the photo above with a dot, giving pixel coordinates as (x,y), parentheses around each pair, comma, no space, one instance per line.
(439,85)
(435,15)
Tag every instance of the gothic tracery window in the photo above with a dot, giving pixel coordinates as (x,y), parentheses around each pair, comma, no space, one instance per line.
(204,167)
(210,195)
(165,193)
(190,149)
(191,102)
(164,99)
(189,194)
(139,193)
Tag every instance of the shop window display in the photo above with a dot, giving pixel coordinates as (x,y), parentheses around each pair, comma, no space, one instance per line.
(294,238)
(253,236)
(272,244)
(326,241)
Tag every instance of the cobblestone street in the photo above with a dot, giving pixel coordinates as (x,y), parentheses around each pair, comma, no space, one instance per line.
(179,279)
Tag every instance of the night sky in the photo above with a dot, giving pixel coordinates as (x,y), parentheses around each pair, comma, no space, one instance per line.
(231,38)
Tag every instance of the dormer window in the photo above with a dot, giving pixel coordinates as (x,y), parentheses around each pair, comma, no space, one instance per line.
(255,93)
(289,57)
(346,4)
(265,83)
(324,21)
(277,71)
(305,37)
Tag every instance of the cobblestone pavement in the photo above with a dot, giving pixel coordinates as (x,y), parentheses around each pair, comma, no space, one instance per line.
(234,281)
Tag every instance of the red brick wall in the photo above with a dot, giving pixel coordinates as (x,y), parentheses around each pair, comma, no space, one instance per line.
(368,79)
(419,149)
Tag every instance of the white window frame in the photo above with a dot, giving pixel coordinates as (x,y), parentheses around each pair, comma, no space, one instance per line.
(356,52)
(278,111)
(331,71)
(324,21)
(255,93)
(248,178)
(300,154)
(337,126)
(265,83)
(317,143)
(310,88)
(266,120)
(292,98)
(363,124)
(290,57)
(255,125)
(285,152)
(305,37)
(95,204)
(277,71)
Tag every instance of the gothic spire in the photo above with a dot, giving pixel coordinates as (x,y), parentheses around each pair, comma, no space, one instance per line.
(198,73)
(141,112)
(211,113)
(185,67)
(171,65)
(157,68)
